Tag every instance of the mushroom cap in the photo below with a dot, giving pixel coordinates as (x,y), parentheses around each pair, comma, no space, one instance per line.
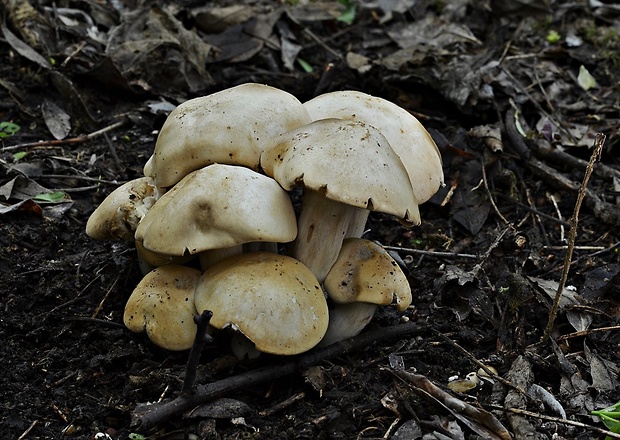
(350,162)
(365,272)
(274,300)
(163,305)
(117,217)
(216,207)
(404,132)
(232,126)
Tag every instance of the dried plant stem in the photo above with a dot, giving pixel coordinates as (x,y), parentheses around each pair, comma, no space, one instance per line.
(599,141)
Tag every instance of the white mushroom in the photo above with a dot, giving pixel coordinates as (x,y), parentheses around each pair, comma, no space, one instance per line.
(117,217)
(406,135)
(231,127)
(218,207)
(345,168)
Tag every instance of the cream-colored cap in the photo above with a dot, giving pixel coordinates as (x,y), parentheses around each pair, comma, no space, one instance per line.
(274,300)
(162,304)
(404,132)
(349,162)
(365,272)
(232,126)
(216,207)
(117,217)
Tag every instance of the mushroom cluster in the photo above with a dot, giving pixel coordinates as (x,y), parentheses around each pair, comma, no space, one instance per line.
(213,205)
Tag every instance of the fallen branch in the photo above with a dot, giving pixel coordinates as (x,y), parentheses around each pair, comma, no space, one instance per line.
(147,417)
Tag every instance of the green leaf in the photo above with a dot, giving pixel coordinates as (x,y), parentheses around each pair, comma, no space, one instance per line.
(348,16)
(19,155)
(52,197)
(610,417)
(585,80)
(8,129)
(305,65)
(553,37)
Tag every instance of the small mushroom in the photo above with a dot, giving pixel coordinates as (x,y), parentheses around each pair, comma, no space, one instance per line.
(117,217)
(274,300)
(218,207)
(365,272)
(363,277)
(231,127)
(346,168)
(406,135)
(162,304)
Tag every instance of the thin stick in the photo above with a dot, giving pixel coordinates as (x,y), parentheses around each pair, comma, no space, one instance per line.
(429,253)
(491,199)
(599,141)
(554,419)
(588,332)
(202,337)
(74,140)
(100,306)
(27,431)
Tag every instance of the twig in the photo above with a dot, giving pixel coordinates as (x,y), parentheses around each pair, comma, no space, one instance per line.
(100,306)
(534,210)
(559,213)
(554,419)
(599,141)
(583,257)
(487,254)
(97,321)
(587,332)
(74,140)
(429,253)
(284,404)
(202,325)
(491,199)
(27,431)
(147,418)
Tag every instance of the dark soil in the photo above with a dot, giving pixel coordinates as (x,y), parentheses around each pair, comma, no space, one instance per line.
(70,369)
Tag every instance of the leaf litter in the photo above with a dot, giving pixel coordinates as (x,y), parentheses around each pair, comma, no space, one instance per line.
(72,69)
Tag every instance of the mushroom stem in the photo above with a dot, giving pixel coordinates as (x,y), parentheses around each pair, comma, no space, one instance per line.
(346,321)
(356,228)
(211,257)
(261,246)
(322,226)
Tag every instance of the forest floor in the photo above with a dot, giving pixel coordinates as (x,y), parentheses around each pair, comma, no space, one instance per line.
(514,97)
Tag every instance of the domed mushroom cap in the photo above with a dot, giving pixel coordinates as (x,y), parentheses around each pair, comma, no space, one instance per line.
(232,127)
(274,300)
(365,272)
(216,207)
(117,217)
(404,132)
(350,162)
(162,304)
